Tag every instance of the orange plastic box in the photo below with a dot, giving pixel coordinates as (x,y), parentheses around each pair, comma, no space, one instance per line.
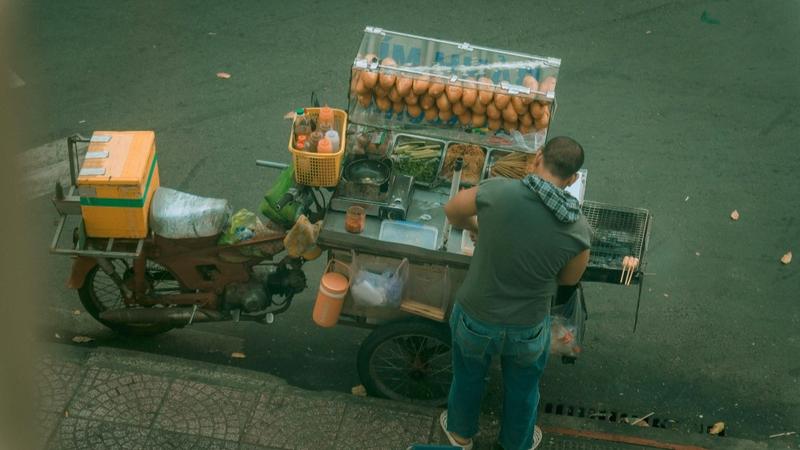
(320,169)
(116,182)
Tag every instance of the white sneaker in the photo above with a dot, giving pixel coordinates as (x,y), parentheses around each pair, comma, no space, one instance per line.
(453,442)
(537,437)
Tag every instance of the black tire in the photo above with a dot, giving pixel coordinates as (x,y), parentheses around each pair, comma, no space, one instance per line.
(99,293)
(408,361)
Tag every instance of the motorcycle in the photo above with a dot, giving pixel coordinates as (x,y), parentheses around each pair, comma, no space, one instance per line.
(151,285)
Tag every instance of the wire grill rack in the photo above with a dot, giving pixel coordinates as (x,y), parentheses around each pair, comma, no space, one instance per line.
(618,232)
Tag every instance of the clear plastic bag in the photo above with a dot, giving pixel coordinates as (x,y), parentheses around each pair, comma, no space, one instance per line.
(384,289)
(178,215)
(568,325)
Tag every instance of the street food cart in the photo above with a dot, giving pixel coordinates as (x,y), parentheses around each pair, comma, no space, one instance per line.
(407,355)
(425,118)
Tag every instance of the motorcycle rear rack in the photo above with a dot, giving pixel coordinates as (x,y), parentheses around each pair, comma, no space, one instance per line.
(69,211)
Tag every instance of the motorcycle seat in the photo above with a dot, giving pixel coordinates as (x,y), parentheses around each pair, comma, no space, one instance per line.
(179,215)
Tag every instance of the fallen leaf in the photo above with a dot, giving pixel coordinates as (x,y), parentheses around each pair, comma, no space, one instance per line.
(734,215)
(58,336)
(66,413)
(290,115)
(82,339)
(223,75)
(696,253)
(238,355)
(717,428)
(787,258)
(76,312)
(359,391)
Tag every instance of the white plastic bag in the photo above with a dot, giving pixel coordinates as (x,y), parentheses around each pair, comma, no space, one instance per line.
(383,289)
(178,215)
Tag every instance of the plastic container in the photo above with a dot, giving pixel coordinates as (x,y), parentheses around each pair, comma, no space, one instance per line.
(320,169)
(313,141)
(355,219)
(325,119)
(324,146)
(409,233)
(333,136)
(464,79)
(333,287)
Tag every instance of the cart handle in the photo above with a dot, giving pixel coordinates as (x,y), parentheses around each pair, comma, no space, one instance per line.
(271,164)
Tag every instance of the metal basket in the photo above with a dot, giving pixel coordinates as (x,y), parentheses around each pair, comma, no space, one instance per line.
(618,232)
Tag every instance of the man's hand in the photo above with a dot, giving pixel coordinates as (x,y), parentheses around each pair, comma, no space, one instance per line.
(462,210)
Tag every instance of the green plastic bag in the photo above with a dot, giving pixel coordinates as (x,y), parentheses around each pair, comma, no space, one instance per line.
(287,215)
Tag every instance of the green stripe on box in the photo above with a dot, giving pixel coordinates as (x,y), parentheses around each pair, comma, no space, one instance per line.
(123,202)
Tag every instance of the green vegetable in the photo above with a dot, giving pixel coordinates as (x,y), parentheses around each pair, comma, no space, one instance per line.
(419,159)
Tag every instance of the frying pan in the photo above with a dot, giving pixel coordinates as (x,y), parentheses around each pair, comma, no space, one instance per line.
(367,171)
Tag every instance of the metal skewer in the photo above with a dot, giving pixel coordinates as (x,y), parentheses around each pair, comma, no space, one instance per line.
(454,185)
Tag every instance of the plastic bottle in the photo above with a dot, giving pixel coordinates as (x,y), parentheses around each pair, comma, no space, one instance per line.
(330,298)
(300,142)
(324,146)
(325,119)
(313,140)
(302,125)
(333,136)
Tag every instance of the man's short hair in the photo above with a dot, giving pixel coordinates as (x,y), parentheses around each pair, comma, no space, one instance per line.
(562,156)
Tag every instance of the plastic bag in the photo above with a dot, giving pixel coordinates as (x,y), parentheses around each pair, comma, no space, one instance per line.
(287,215)
(383,289)
(243,226)
(178,215)
(567,326)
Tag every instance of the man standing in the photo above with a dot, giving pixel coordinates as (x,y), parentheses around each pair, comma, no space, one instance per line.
(533,242)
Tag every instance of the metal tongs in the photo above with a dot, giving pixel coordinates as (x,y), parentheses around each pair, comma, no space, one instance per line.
(454,185)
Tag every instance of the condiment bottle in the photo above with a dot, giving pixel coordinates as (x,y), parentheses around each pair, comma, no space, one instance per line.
(355,219)
(324,146)
(302,125)
(300,143)
(333,136)
(325,119)
(313,140)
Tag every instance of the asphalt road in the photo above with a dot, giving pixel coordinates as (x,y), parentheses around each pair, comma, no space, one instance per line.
(687,108)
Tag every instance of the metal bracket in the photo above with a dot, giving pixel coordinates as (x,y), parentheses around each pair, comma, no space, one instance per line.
(100,138)
(96,155)
(92,171)
(514,89)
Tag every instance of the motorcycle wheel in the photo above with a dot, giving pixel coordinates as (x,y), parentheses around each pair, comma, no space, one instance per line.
(99,293)
(408,361)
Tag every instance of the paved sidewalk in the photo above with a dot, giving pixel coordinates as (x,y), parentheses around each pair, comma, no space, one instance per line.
(105,398)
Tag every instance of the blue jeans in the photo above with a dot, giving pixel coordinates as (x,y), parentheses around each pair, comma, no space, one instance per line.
(523,354)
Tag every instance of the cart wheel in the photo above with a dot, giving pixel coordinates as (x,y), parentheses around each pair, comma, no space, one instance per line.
(99,293)
(408,361)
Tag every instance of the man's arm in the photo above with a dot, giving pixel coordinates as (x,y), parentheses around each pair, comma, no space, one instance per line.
(462,210)
(571,274)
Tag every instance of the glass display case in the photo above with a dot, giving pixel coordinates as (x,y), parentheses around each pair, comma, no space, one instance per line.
(456,91)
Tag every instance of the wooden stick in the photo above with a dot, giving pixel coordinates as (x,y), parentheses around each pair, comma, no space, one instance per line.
(624,268)
(642,418)
(634,265)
